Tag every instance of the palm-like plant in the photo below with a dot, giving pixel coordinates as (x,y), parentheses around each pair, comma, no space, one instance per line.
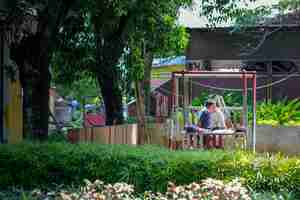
(283,112)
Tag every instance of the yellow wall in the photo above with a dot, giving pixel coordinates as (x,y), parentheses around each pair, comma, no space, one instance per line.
(13,118)
(171,68)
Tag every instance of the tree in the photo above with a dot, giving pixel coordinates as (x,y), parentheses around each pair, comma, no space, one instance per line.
(114,22)
(166,39)
(135,64)
(32,55)
(156,35)
(237,12)
(73,62)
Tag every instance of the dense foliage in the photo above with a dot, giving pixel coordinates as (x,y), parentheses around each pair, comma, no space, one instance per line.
(148,168)
(279,113)
(84,87)
(230,98)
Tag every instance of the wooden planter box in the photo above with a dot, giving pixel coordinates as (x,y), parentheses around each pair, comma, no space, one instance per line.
(278,139)
(120,134)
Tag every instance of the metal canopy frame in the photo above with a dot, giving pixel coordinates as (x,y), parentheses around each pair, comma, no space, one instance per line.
(244,76)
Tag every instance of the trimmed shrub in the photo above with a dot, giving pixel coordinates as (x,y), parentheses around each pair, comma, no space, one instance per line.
(148,168)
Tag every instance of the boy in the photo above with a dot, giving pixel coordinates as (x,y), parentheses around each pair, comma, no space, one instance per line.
(205,120)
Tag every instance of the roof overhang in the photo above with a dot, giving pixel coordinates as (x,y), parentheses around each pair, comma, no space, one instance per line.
(226,44)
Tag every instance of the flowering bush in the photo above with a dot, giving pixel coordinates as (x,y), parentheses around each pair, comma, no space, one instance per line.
(208,189)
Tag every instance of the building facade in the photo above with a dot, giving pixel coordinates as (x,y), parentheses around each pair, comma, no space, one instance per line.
(274,58)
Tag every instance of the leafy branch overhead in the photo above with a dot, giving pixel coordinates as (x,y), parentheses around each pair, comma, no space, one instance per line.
(243,13)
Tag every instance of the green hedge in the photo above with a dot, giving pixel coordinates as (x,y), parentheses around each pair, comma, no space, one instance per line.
(148,168)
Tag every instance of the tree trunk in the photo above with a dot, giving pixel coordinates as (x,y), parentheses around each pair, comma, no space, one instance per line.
(140,110)
(33,59)
(112,97)
(108,75)
(148,59)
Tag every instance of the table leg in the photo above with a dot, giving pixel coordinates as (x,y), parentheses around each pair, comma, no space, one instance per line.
(222,141)
(200,141)
(195,141)
(214,140)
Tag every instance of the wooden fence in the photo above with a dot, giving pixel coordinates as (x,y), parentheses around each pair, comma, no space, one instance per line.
(125,134)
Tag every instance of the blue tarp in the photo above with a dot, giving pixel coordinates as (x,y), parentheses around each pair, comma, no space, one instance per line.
(159,62)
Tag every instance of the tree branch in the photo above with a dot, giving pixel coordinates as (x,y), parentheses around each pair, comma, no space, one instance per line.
(265,37)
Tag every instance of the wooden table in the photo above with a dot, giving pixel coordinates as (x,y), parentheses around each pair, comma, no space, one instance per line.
(208,139)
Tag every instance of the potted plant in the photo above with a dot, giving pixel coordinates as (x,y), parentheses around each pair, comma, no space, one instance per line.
(74,131)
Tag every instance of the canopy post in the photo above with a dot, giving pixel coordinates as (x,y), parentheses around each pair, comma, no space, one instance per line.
(182,103)
(245,103)
(174,100)
(173,93)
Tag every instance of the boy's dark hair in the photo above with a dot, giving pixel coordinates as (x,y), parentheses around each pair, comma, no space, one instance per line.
(209,103)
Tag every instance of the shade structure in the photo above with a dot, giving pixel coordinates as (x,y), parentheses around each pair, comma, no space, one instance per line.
(244,76)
